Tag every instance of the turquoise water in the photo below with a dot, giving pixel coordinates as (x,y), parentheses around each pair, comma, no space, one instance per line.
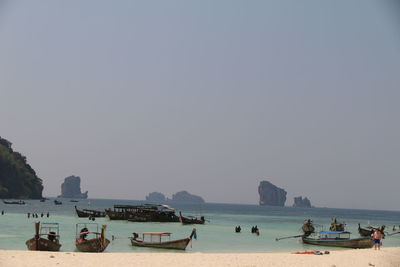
(216,236)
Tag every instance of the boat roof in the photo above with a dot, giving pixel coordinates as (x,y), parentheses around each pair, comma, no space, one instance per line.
(334,232)
(156,233)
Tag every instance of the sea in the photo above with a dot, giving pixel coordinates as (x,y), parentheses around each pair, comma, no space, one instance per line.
(216,236)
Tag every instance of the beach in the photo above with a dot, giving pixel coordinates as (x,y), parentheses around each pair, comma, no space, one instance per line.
(336,258)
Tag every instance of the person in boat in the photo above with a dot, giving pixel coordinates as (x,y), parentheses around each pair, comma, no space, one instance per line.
(135,236)
(377,237)
(51,236)
(83,234)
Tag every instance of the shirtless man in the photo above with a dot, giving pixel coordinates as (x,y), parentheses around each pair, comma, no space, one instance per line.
(377,237)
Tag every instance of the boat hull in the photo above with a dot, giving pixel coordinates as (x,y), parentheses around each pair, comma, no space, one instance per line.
(184,220)
(42,244)
(180,244)
(364,232)
(89,213)
(92,245)
(365,242)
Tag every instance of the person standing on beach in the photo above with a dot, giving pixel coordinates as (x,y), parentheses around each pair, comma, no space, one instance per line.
(377,237)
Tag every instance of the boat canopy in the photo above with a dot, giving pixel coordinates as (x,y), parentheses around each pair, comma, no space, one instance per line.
(333,232)
(157,233)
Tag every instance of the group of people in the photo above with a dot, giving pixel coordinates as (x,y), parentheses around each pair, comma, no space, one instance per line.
(254,229)
(35,215)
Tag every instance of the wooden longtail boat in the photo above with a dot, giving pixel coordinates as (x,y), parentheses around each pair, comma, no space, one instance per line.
(143,213)
(19,202)
(369,230)
(85,213)
(364,232)
(156,240)
(51,231)
(191,219)
(338,239)
(96,244)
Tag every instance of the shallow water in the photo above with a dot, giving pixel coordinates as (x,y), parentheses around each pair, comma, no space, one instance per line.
(216,236)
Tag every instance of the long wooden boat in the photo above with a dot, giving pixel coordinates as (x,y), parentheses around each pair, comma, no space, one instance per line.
(85,213)
(57,202)
(143,213)
(338,239)
(19,202)
(369,230)
(97,244)
(364,232)
(191,219)
(157,242)
(38,242)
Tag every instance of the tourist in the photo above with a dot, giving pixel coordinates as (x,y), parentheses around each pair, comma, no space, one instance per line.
(377,237)
(29,215)
(48,214)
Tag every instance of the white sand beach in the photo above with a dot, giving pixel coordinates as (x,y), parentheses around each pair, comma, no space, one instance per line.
(354,258)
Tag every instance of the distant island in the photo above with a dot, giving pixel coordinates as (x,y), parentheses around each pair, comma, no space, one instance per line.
(17,178)
(300,202)
(181,196)
(271,195)
(71,188)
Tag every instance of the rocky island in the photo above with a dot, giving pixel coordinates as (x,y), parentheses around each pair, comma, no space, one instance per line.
(71,188)
(156,197)
(271,195)
(17,178)
(300,202)
(182,197)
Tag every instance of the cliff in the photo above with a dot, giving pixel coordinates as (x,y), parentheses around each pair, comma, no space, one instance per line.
(300,202)
(271,195)
(17,178)
(71,188)
(156,197)
(184,196)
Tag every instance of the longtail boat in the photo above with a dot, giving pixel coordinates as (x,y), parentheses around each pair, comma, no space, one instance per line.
(337,226)
(57,202)
(19,202)
(38,242)
(96,244)
(154,240)
(191,219)
(308,227)
(369,230)
(143,213)
(85,213)
(338,239)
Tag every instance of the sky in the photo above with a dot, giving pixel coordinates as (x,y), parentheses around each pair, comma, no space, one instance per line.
(211,97)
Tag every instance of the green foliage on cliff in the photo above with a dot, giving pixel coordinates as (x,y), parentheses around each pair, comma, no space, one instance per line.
(17,178)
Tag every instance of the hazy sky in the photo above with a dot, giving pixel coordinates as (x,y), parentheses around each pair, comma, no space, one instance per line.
(206,96)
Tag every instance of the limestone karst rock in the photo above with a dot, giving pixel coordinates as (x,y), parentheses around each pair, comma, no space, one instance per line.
(71,188)
(302,202)
(271,195)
